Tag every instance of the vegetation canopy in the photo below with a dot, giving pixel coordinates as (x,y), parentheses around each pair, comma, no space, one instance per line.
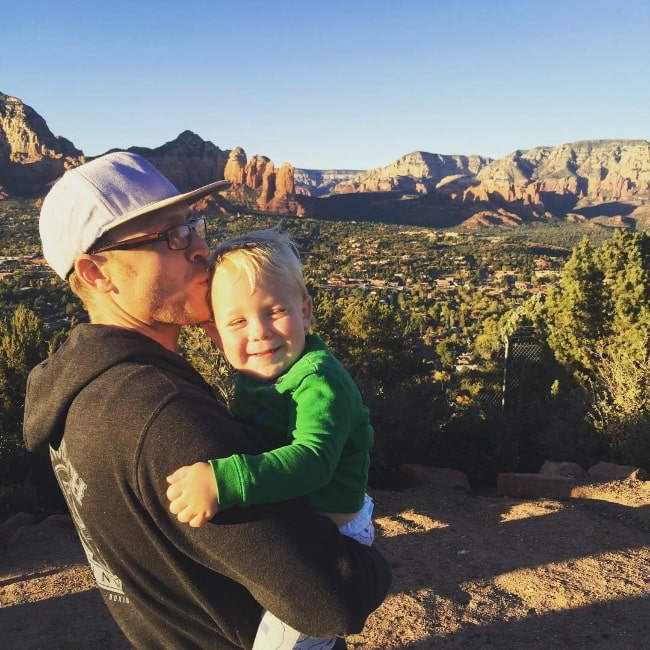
(485,351)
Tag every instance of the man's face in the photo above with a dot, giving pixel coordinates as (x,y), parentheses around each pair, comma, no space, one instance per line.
(154,285)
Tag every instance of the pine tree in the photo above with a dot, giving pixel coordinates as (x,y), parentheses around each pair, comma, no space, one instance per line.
(23,344)
(598,324)
(576,311)
(625,261)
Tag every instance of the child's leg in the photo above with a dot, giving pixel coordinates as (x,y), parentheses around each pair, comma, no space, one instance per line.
(361,527)
(273,634)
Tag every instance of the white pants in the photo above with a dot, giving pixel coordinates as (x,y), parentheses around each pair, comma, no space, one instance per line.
(273,634)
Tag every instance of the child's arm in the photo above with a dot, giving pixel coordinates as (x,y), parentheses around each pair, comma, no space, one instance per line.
(193,494)
(322,425)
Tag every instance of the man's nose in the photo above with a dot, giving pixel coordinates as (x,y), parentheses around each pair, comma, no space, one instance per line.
(198,248)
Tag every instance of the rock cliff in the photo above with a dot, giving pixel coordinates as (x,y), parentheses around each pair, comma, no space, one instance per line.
(580,174)
(258,184)
(418,172)
(609,179)
(31,156)
(576,181)
(319,182)
(188,161)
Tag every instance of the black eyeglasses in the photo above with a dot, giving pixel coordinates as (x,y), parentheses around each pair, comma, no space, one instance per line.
(178,238)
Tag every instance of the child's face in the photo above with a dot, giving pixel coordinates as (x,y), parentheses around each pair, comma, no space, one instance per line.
(262,332)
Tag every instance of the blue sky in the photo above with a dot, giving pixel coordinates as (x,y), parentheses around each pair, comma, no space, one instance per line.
(337,84)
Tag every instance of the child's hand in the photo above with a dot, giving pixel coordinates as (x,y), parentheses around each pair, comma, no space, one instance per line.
(193,494)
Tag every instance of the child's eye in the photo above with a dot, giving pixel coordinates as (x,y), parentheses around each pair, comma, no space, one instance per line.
(237,322)
(278,311)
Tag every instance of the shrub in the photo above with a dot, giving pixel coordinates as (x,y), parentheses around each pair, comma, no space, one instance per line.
(620,405)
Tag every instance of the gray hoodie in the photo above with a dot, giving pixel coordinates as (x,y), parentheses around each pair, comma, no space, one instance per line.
(119,413)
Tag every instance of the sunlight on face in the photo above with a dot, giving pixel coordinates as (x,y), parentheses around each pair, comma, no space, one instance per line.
(157,285)
(262,328)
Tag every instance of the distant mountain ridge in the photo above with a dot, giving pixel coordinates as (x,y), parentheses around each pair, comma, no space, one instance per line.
(318,182)
(608,179)
(418,172)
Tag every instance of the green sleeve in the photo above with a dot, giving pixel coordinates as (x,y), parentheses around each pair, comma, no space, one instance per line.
(322,427)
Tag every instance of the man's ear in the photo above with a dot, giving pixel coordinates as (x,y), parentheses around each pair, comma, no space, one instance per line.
(91,271)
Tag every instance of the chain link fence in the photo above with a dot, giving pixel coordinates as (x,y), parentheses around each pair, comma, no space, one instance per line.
(523,358)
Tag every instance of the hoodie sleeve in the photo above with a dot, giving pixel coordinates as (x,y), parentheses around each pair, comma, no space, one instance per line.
(292,560)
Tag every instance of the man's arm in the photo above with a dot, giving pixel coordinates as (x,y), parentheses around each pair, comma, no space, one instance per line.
(293,561)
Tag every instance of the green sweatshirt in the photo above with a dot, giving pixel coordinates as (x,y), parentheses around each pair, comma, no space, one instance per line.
(314,422)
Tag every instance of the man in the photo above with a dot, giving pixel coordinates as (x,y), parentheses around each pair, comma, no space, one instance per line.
(119,410)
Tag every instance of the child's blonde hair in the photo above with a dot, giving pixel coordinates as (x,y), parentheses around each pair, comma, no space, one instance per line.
(259,253)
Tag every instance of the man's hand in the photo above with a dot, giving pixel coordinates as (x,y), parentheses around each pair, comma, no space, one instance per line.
(193,494)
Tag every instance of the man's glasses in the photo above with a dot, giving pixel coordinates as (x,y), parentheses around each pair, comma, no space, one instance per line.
(178,238)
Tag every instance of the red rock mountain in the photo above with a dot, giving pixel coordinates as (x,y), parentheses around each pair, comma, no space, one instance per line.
(608,179)
(31,157)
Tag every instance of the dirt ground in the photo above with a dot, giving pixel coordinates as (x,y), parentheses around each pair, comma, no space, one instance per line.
(470,571)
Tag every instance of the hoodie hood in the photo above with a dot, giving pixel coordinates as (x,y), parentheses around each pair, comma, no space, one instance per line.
(89,351)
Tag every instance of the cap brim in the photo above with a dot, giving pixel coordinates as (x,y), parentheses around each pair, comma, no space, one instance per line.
(187,197)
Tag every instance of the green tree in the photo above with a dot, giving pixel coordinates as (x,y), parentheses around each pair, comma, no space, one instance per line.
(197,347)
(23,345)
(447,352)
(626,265)
(620,408)
(576,311)
(598,321)
(374,346)
(602,301)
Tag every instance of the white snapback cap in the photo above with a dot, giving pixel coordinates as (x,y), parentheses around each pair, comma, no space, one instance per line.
(93,198)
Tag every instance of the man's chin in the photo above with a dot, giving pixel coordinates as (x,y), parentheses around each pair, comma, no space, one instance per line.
(191,317)
(199,314)
(198,320)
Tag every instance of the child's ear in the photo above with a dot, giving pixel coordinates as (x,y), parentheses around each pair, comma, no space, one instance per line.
(307,313)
